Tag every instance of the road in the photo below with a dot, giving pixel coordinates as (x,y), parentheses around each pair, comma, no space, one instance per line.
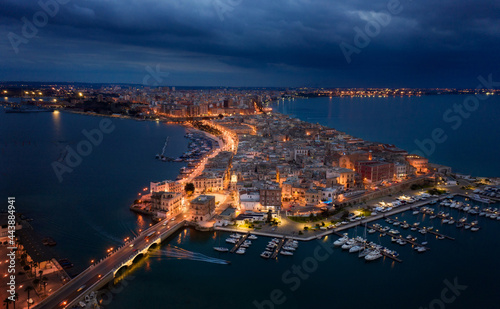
(91,275)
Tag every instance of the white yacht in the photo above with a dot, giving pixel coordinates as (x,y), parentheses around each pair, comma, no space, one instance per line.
(372,256)
(221,249)
(241,251)
(252,237)
(356,248)
(286,253)
(420,249)
(340,241)
(266,254)
(364,252)
(348,245)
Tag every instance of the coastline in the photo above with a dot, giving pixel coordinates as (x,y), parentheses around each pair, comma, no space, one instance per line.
(315,236)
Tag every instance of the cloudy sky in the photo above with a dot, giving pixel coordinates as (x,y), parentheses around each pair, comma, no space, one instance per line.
(418,43)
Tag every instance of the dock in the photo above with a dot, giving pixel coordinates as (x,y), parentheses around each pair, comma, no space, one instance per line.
(399,236)
(429,231)
(391,257)
(439,234)
(240,241)
(278,248)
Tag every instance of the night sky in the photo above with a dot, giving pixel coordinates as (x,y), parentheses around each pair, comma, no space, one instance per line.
(419,43)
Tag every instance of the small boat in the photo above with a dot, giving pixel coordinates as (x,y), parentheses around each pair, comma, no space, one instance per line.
(252,237)
(340,241)
(286,253)
(241,251)
(231,240)
(420,249)
(47,241)
(221,249)
(474,228)
(266,254)
(372,256)
(371,231)
(289,248)
(415,212)
(235,236)
(65,263)
(356,248)
(348,245)
(364,252)
(440,237)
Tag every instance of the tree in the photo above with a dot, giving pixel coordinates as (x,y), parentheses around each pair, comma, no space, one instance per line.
(16,298)
(7,301)
(189,188)
(221,116)
(28,289)
(44,283)
(269,216)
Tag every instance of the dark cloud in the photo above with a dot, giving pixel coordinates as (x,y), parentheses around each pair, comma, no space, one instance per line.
(279,42)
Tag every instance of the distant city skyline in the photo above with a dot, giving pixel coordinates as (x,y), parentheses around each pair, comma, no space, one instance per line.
(238,43)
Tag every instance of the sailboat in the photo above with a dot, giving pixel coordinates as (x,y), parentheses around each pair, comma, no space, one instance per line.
(365,251)
(219,248)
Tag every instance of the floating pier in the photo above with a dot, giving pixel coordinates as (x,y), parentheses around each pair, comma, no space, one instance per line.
(240,241)
(278,248)
(398,236)
(439,234)
(391,257)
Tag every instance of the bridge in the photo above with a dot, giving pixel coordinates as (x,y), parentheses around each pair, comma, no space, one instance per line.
(105,270)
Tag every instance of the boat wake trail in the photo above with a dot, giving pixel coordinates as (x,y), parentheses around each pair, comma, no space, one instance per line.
(182,254)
